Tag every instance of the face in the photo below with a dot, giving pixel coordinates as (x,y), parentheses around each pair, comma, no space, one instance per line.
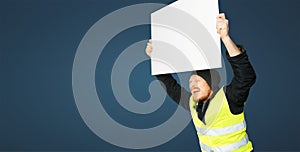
(199,88)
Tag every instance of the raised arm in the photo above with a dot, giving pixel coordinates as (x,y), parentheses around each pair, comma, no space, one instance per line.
(244,76)
(178,93)
(223,29)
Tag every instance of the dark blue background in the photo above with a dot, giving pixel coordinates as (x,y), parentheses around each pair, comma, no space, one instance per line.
(38,42)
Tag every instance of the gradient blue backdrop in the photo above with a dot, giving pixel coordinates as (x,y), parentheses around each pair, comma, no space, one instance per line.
(38,42)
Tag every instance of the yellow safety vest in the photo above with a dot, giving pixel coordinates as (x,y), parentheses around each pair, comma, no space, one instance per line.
(222,130)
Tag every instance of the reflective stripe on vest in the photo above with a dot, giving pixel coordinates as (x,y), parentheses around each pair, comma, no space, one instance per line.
(221,131)
(225,148)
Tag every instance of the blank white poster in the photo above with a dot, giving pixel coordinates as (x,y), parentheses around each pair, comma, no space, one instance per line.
(184,37)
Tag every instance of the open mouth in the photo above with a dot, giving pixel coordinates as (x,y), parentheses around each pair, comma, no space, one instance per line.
(196,91)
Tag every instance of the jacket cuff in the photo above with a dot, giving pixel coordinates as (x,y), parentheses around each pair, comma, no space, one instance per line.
(238,57)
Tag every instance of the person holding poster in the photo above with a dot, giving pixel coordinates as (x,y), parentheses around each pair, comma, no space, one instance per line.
(217,112)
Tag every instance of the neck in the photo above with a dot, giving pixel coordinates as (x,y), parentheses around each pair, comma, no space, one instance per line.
(210,94)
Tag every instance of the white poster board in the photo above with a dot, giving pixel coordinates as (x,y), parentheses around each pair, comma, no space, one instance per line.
(184,37)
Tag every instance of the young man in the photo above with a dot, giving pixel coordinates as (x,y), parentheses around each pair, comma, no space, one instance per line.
(217,113)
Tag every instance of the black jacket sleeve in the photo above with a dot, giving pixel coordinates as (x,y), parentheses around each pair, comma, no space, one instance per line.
(178,93)
(244,77)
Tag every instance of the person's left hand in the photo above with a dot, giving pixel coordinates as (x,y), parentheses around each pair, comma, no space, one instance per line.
(222,25)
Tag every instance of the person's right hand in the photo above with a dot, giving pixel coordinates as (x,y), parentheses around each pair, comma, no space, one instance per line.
(149,48)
